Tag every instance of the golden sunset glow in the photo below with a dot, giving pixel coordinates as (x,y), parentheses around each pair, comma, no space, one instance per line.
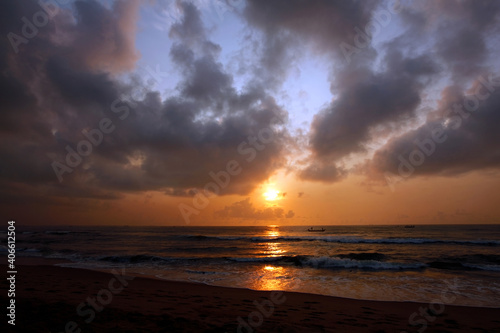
(272,279)
(273,166)
(221,145)
(272,194)
(273,249)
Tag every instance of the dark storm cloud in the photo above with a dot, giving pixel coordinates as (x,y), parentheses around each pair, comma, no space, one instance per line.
(464,64)
(480,15)
(190,29)
(457,32)
(324,26)
(67,88)
(374,99)
(276,59)
(462,47)
(52,89)
(291,27)
(369,100)
(62,82)
(438,39)
(318,170)
(325,23)
(207,83)
(460,136)
(105,39)
(203,128)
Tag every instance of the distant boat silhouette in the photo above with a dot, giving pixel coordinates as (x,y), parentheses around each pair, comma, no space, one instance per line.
(311,229)
(409,226)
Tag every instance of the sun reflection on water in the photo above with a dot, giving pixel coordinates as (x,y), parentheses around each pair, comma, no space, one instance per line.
(272,278)
(269,276)
(273,248)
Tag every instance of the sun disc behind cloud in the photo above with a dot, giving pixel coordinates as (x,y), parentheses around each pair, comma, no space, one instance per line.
(272,194)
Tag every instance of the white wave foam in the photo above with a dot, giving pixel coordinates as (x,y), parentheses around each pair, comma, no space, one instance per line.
(492,268)
(332,262)
(254,259)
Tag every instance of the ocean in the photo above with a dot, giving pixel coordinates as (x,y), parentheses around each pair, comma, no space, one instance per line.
(452,264)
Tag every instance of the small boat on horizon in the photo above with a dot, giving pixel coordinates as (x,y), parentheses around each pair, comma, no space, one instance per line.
(311,229)
(410,226)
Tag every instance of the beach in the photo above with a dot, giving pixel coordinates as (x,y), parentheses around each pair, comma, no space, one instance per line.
(250,166)
(380,263)
(56,299)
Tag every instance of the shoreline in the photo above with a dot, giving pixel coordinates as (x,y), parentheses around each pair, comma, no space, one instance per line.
(59,262)
(154,277)
(50,298)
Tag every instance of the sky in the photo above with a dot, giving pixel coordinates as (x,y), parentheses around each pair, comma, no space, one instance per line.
(233,112)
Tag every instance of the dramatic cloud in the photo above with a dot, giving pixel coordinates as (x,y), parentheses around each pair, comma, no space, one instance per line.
(289,28)
(324,23)
(460,136)
(103,38)
(385,87)
(324,26)
(71,129)
(376,89)
(374,99)
(462,32)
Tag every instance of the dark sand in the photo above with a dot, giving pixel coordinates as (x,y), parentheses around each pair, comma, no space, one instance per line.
(47,298)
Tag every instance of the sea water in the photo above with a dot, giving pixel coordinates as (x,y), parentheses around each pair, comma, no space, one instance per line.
(452,264)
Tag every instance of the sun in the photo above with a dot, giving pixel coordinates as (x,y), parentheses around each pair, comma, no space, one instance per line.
(272,194)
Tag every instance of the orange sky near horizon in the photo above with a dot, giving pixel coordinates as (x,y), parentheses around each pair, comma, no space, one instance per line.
(469,199)
(135,112)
